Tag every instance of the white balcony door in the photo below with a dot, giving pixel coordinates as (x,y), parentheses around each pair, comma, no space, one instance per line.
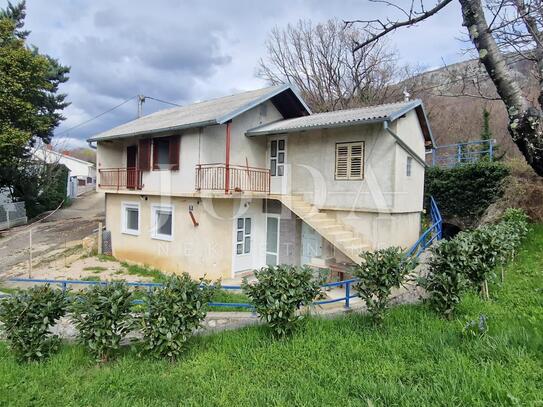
(278,164)
(272,240)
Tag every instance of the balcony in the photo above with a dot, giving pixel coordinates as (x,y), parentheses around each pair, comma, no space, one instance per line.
(232,178)
(120,178)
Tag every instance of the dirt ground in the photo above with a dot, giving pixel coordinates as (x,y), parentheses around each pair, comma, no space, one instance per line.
(57,233)
(73,264)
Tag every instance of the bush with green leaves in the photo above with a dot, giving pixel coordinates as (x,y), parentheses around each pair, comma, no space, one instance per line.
(27,317)
(484,248)
(172,314)
(446,279)
(102,315)
(518,223)
(278,292)
(377,274)
(464,192)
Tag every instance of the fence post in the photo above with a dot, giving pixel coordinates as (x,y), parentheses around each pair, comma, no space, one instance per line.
(491,149)
(347,295)
(459,154)
(30,253)
(99,238)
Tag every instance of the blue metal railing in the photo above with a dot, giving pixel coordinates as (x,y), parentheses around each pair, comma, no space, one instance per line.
(451,155)
(433,233)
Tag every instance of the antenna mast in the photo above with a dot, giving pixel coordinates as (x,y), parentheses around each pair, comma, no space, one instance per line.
(141,101)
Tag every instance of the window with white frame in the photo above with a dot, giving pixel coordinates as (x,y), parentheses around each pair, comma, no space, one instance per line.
(243,236)
(277,157)
(350,161)
(409,166)
(162,222)
(130,218)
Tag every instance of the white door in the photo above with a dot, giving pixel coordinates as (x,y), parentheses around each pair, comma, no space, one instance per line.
(311,244)
(277,149)
(272,240)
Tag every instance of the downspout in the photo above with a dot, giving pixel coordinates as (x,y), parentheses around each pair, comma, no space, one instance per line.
(227,159)
(402,144)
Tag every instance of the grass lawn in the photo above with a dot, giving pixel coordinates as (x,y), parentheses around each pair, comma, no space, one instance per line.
(415,359)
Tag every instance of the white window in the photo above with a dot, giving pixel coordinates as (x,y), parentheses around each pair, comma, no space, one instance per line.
(350,161)
(277,157)
(130,218)
(162,222)
(408,166)
(243,236)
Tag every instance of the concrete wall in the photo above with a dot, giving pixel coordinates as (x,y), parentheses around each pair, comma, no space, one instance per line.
(385,187)
(381,230)
(311,157)
(205,249)
(409,195)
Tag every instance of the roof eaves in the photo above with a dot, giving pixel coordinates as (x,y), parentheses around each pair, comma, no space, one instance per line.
(399,113)
(248,106)
(255,132)
(229,116)
(430,134)
(155,131)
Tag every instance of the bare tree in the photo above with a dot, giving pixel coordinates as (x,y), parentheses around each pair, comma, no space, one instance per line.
(319,60)
(515,27)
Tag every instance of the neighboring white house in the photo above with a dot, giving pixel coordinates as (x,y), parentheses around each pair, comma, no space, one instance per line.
(82,174)
(226,186)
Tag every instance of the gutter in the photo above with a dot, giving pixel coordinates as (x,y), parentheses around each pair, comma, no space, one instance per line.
(402,144)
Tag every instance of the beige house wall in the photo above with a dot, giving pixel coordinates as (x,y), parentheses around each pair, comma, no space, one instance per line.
(205,249)
(197,146)
(381,230)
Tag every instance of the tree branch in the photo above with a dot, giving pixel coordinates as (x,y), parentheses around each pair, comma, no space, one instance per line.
(413,17)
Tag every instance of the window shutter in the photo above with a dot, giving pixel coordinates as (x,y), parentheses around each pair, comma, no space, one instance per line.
(144,154)
(350,161)
(356,170)
(342,161)
(174,152)
(155,155)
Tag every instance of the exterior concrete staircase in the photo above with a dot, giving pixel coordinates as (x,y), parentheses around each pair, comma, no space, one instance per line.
(328,226)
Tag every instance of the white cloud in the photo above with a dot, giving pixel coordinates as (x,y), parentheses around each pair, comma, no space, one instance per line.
(191,50)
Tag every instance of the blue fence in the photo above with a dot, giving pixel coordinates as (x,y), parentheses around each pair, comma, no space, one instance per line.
(434,232)
(452,155)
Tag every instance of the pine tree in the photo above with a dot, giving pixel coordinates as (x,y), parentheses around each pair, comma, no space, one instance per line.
(30,101)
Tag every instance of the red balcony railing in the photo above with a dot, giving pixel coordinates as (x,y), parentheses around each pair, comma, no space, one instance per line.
(120,178)
(235,178)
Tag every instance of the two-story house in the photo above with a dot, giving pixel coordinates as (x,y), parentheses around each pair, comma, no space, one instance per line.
(225,186)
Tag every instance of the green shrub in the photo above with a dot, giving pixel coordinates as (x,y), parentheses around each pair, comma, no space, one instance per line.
(379,272)
(445,279)
(484,250)
(102,316)
(278,293)
(518,223)
(172,314)
(465,191)
(27,317)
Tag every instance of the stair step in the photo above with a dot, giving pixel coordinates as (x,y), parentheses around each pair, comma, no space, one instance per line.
(357,247)
(350,241)
(341,234)
(322,222)
(331,227)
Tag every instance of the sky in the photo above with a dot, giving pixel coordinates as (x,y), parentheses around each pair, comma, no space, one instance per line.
(186,51)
